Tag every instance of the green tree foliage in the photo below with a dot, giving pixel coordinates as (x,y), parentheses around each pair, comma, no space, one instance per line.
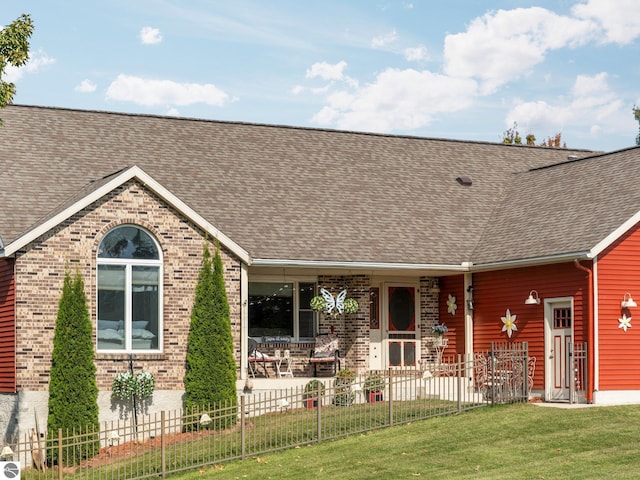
(73,393)
(210,380)
(636,115)
(14,50)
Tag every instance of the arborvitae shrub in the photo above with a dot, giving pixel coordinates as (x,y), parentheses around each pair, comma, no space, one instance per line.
(73,393)
(210,380)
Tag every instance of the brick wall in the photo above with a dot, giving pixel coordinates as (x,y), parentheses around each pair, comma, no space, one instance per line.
(40,270)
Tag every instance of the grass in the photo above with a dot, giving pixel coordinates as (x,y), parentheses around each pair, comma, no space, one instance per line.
(519,441)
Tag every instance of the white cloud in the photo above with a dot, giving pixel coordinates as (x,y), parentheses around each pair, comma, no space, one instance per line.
(396,100)
(164,92)
(86,86)
(416,54)
(619,19)
(37,61)
(591,106)
(503,45)
(326,71)
(150,35)
(384,40)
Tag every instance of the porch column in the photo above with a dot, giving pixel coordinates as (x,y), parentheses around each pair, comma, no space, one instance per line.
(468,325)
(244,320)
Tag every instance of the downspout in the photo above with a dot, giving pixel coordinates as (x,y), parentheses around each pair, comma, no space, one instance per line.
(590,330)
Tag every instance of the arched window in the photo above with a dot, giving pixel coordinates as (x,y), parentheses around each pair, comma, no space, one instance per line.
(129,291)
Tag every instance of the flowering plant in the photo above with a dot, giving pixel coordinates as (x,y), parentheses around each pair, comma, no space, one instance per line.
(318,303)
(126,385)
(439,329)
(350,305)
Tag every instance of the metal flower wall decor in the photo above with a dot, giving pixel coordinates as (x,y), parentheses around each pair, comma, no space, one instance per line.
(451,304)
(509,323)
(625,322)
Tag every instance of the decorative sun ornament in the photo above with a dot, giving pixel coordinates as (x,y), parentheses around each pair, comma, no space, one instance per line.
(509,323)
(451,304)
(625,322)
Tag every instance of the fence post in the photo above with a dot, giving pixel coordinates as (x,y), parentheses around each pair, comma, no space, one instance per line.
(243,431)
(59,454)
(319,395)
(163,453)
(390,397)
(459,378)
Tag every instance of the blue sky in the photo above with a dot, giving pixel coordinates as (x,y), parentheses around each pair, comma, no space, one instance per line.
(458,69)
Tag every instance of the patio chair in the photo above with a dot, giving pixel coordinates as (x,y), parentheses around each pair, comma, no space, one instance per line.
(257,358)
(325,351)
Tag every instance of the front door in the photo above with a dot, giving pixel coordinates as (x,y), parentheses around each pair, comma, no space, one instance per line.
(558,344)
(402,325)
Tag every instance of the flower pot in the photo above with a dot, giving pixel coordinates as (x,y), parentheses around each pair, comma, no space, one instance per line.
(374,397)
(311,403)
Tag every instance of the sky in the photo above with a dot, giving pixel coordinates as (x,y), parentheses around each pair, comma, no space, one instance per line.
(456,69)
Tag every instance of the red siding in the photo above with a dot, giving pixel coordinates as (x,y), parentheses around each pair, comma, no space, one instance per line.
(618,271)
(495,292)
(7,327)
(453,286)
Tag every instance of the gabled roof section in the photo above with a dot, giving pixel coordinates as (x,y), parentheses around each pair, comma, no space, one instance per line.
(96,190)
(286,195)
(573,209)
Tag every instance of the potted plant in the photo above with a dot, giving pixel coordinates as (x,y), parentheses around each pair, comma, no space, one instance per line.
(343,393)
(438,331)
(373,387)
(310,395)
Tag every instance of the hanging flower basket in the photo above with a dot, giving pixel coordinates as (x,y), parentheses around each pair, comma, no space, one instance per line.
(126,385)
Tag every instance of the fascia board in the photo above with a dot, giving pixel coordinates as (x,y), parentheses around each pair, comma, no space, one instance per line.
(615,235)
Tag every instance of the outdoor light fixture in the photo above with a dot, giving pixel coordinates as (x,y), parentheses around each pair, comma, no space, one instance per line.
(470,297)
(627,301)
(533,299)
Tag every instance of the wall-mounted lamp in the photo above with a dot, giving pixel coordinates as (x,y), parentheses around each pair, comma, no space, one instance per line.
(434,287)
(627,301)
(533,299)
(470,297)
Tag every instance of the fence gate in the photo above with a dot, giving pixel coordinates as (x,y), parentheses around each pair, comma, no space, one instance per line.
(579,382)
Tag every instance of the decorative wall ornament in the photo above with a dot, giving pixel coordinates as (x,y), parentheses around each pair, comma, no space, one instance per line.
(509,323)
(334,306)
(625,322)
(451,304)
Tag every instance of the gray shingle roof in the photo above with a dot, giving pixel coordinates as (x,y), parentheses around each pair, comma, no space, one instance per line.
(298,193)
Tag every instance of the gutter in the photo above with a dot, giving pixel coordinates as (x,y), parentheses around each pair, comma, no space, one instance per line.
(590,331)
(532,262)
(268,262)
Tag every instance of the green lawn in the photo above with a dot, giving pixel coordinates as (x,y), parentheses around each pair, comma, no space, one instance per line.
(520,441)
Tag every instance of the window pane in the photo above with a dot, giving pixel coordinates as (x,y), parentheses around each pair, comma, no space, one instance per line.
(111,307)
(128,242)
(306,316)
(307,324)
(144,308)
(270,309)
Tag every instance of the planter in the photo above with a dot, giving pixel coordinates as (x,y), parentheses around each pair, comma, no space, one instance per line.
(311,403)
(440,341)
(373,397)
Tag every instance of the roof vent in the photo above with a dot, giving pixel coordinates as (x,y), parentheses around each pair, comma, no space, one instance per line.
(464,180)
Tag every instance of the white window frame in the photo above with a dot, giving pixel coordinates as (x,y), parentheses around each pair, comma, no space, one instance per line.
(129,263)
(296,281)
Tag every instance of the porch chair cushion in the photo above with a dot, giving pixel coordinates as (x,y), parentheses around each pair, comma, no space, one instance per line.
(325,351)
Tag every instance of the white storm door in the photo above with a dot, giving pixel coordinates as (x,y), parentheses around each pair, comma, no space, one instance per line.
(402,331)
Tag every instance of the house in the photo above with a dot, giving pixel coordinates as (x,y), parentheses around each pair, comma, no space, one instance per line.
(419,231)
